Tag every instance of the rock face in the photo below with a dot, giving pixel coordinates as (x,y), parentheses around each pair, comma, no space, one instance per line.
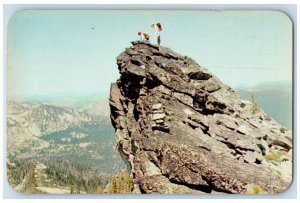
(180,130)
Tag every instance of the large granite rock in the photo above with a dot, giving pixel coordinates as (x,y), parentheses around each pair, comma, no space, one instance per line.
(181,130)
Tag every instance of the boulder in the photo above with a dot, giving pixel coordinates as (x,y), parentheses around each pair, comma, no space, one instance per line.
(182,131)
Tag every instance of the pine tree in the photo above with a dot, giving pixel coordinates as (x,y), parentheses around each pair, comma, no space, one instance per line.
(121,183)
(99,190)
(254,108)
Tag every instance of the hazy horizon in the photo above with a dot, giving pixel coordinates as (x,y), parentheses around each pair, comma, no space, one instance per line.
(105,94)
(61,53)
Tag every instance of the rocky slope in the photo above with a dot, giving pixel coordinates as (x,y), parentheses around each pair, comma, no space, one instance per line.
(180,130)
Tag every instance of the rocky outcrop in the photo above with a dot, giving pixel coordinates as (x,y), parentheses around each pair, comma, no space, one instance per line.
(180,130)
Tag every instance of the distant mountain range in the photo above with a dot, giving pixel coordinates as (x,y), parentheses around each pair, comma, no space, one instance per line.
(90,103)
(273,98)
(49,134)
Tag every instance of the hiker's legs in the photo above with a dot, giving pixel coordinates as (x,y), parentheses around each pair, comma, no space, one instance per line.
(158,41)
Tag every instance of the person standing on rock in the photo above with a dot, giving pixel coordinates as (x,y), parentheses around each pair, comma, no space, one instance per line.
(158,30)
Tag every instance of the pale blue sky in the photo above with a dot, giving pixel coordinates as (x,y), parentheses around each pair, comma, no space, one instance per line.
(57,53)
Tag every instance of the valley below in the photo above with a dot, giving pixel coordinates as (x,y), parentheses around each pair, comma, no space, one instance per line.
(57,149)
